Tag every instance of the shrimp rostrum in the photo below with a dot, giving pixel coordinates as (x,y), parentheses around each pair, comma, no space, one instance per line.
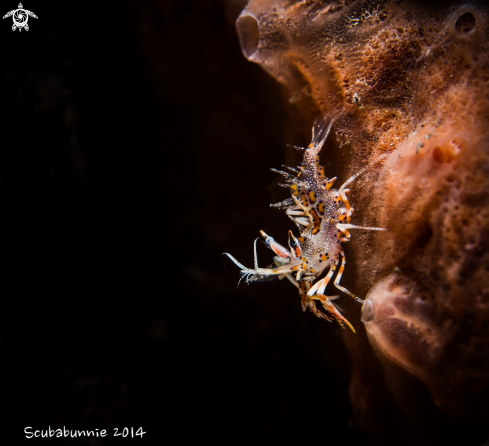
(322,215)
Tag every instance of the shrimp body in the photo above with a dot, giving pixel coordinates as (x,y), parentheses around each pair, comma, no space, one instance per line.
(322,215)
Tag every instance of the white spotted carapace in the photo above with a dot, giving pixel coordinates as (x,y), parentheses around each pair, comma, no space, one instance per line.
(322,215)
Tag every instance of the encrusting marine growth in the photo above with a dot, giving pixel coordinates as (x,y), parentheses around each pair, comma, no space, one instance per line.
(412,78)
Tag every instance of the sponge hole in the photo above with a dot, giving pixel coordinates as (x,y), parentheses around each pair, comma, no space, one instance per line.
(465,24)
(248,34)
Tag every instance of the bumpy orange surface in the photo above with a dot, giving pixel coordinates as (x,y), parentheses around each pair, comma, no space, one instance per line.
(413,79)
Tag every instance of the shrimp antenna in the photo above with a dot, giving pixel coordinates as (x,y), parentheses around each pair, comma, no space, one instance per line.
(320,132)
(295,147)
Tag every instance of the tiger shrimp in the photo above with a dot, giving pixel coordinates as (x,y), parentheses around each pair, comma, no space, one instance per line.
(322,215)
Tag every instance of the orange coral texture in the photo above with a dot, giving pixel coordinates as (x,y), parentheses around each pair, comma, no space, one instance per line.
(413,80)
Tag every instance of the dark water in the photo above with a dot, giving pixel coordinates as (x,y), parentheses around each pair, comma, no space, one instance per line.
(135,146)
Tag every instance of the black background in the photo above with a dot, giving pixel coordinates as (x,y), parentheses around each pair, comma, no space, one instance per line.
(135,147)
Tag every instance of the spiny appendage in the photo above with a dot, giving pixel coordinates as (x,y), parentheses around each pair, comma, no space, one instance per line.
(286,263)
(308,302)
(321,214)
(283,204)
(284,266)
